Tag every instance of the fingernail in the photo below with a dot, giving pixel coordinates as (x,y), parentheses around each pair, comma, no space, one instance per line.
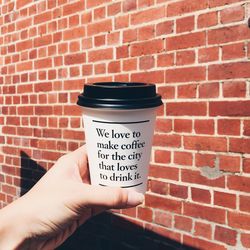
(134,198)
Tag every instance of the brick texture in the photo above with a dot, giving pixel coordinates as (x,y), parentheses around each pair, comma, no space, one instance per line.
(196,52)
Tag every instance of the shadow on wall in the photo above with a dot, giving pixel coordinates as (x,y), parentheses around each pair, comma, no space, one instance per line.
(105,231)
(31,172)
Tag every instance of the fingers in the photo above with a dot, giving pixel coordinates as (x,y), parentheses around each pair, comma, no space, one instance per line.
(109,197)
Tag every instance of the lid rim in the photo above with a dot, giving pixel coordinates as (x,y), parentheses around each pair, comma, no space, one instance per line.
(124,96)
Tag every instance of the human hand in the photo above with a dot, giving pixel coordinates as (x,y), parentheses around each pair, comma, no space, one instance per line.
(61,201)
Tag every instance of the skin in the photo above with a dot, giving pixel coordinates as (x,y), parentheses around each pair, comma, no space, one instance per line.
(62,200)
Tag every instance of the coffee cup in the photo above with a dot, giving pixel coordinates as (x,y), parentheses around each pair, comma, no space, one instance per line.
(119,121)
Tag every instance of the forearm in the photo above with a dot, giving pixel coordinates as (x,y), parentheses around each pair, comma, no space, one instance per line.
(12,228)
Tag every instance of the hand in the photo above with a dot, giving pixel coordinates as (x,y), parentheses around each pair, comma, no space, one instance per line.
(61,201)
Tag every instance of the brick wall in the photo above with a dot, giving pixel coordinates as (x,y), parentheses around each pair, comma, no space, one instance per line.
(196,51)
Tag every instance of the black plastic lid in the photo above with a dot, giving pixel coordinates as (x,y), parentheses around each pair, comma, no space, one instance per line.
(119,95)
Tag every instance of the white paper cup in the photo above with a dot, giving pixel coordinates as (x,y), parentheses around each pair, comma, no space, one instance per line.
(119,133)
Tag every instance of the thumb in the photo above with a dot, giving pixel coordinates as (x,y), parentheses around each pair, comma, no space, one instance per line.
(109,197)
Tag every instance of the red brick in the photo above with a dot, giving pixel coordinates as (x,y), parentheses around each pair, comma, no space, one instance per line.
(246,128)
(228,127)
(225,235)
(245,203)
(224,199)
(239,145)
(200,195)
(163,203)
(215,3)
(239,183)
(205,143)
(202,229)
(185,24)
(24,45)
(183,223)
(232,108)
(43,110)
(146,32)
(190,40)
(149,77)
(234,89)
(75,58)
(148,47)
(209,90)
(25,110)
(246,165)
(185,57)
(114,9)
(122,52)
(114,67)
(73,33)
(208,54)
(99,27)
(7,189)
(183,158)
(129,5)
(163,125)
(73,8)
(204,127)
(162,156)
(43,63)
(129,211)
(93,3)
(203,160)
(185,6)
(167,92)
(229,163)
(164,172)
(187,91)
(232,14)
(74,20)
(188,74)
(24,23)
(163,218)
(113,38)
(100,55)
(129,64)
(183,125)
(165,60)
(158,187)
(245,240)
(187,108)
(147,15)
(121,22)
(228,34)
(42,41)
(164,28)
(207,19)
(229,71)
(233,51)
(238,220)
(145,214)
(44,17)
(43,87)
(145,3)
(146,62)
(204,212)
(24,66)
(21,3)
(167,140)
(52,133)
(191,176)
(178,191)
(129,35)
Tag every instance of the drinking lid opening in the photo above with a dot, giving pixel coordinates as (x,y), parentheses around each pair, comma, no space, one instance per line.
(119,95)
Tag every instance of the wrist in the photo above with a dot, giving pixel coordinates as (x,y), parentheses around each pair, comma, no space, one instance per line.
(12,228)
